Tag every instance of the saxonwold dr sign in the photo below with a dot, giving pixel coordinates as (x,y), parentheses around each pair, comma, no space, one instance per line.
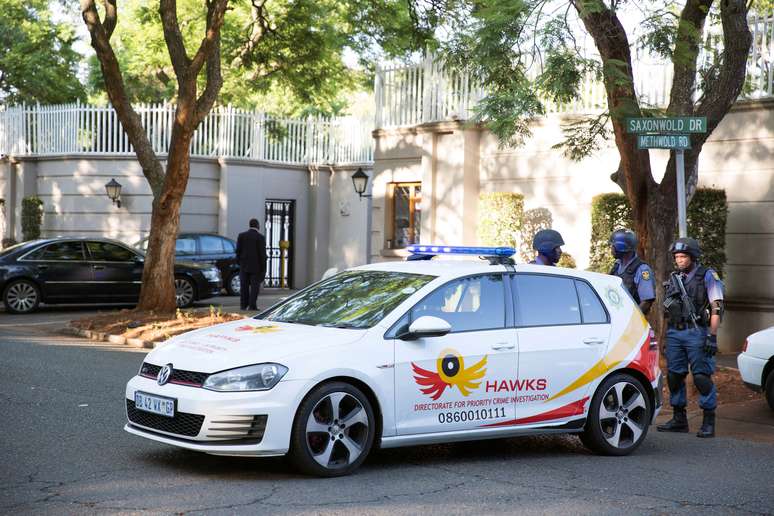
(692,124)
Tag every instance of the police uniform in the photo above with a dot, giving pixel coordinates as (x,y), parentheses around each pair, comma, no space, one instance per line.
(637,278)
(542,260)
(686,344)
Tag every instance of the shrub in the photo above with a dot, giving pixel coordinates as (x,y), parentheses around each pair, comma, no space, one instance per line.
(32,217)
(8,242)
(567,261)
(500,218)
(534,220)
(707,216)
(609,212)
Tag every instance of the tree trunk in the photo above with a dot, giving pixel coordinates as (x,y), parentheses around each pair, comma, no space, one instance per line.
(158,291)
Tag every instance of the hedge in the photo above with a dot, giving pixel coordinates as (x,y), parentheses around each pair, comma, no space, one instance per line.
(707,214)
(32,217)
(500,217)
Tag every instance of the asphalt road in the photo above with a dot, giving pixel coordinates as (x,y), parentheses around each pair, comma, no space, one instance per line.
(63,451)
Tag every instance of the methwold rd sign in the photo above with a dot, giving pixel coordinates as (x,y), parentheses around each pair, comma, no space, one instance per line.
(691,124)
(663,141)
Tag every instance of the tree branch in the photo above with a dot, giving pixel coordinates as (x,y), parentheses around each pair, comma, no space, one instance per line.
(174,40)
(114,84)
(111,16)
(689,33)
(216,12)
(724,88)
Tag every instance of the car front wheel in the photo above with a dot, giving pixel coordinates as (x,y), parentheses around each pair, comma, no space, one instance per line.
(184,292)
(333,431)
(21,297)
(769,386)
(618,418)
(233,286)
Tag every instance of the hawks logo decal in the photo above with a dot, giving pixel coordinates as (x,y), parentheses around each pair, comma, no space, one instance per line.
(450,372)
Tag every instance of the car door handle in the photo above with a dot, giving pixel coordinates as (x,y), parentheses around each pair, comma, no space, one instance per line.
(503,345)
(593,341)
(42,267)
(98,267)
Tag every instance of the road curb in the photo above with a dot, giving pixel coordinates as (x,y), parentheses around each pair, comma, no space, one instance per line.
(106,337)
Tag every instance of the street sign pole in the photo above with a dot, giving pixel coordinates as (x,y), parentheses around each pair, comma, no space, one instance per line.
(682,222)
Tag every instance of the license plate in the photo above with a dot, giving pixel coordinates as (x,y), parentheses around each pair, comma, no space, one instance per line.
(155,404)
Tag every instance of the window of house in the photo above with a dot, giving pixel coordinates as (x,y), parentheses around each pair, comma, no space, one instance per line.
(406,214)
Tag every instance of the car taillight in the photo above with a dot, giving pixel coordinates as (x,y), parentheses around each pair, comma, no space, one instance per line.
(744,348)
(653,342)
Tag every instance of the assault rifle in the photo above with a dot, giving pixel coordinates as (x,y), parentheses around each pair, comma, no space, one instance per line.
(686,300)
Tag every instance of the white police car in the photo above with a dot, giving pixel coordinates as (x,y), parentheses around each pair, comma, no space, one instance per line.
(756,363)
(399,354)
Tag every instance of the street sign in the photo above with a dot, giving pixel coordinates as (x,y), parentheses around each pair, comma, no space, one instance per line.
(663,141)
(670,125)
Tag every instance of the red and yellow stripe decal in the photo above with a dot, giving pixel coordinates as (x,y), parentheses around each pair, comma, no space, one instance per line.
(632,337)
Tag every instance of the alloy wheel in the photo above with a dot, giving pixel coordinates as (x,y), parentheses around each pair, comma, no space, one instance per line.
(21,297)
(235,285)
(623,415)
(337,430)
(184,292)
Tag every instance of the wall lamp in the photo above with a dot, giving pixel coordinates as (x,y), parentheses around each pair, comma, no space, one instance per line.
(360,180)
(113,189)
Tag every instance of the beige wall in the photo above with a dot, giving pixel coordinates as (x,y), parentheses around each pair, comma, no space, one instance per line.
(455,163)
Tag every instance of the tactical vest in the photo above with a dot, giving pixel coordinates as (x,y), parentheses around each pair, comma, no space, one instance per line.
(696,289)
(627,275)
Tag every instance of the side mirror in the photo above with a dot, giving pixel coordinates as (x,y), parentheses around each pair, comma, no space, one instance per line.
(426,326)
(138,259)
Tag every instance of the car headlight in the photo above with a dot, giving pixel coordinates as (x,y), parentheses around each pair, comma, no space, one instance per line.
(259,377)
(211,274)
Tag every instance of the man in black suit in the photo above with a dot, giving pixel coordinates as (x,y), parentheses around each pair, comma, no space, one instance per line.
(251,254)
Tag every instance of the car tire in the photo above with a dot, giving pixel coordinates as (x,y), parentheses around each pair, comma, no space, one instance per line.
(619,416)
(769,389)
(324,439)
(21,297)
(233,286)
(185,292)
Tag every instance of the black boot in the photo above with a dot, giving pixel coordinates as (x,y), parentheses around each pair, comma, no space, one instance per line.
(708,425)
(678,423)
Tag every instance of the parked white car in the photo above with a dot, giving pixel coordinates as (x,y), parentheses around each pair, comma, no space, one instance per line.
(407,353)
(756,363)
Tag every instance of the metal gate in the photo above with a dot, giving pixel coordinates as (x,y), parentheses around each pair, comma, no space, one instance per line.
(279,243)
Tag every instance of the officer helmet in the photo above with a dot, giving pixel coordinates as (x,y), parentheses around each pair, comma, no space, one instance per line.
(624,241)
(686,245)
(547,240)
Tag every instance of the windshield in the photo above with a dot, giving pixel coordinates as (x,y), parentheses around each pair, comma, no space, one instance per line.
(352,299)
(16,247)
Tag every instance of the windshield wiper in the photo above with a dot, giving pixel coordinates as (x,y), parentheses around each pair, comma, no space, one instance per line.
(341,325)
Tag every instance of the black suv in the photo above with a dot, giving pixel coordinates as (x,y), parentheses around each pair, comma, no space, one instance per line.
(89,270)
(208,248)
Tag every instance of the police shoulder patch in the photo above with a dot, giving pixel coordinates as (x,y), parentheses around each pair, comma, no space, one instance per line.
(715,276)
(646,275)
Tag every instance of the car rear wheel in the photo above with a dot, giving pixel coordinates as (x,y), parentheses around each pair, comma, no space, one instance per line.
(769,387)
(184,292)
(233,286)
(618,418)
(333,431)
(21,297)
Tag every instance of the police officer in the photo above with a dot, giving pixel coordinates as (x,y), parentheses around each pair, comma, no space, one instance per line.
(689,343)
(637,275)
(547,243)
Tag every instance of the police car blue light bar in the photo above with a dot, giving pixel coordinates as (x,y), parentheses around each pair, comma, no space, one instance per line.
(449,249)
